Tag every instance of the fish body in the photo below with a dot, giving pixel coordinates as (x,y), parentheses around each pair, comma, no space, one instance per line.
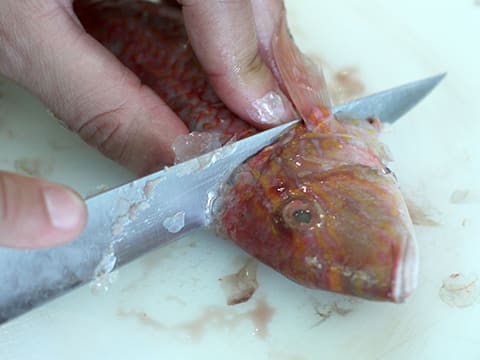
(151,40)
(319,205)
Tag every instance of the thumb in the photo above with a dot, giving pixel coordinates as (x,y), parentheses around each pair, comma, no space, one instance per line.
(37,214)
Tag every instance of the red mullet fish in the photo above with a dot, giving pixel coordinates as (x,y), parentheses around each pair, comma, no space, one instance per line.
(319,205)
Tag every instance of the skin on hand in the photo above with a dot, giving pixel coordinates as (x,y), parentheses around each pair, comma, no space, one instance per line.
(232,41)
(44,48)
(36,214)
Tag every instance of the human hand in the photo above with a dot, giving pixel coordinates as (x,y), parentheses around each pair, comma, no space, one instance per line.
(233,41)
(36,213)
(44,48)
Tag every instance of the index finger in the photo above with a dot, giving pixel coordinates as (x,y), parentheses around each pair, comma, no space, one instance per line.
(223,35)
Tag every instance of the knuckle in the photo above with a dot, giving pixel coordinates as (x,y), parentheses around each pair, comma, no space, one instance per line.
(107,132)
(108,127)
(253,64)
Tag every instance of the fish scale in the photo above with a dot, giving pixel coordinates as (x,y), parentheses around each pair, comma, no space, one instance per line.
(152,42)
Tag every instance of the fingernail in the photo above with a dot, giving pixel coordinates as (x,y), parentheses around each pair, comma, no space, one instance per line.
(64,207)
(270,109)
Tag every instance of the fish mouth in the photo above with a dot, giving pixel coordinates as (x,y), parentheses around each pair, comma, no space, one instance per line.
(405,276)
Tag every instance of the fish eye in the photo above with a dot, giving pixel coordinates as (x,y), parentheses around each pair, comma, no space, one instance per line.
(301,214)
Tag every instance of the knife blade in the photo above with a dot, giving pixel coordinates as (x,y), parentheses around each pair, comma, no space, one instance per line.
(392,104)
(132,219)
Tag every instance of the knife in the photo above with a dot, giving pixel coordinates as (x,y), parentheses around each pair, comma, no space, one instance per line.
(134,218)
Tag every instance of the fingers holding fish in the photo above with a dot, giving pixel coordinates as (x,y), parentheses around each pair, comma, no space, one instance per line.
(231,44)
(84,85)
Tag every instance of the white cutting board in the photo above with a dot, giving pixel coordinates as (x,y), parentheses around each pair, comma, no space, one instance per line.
(170,304)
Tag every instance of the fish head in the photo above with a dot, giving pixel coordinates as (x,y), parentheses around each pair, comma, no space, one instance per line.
(319,205)
(324,223)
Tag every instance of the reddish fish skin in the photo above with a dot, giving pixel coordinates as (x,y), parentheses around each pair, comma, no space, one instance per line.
(318,205)
(151,40)
(342,240)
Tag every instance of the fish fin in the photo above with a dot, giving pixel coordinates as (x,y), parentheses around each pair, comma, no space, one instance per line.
(302,79)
